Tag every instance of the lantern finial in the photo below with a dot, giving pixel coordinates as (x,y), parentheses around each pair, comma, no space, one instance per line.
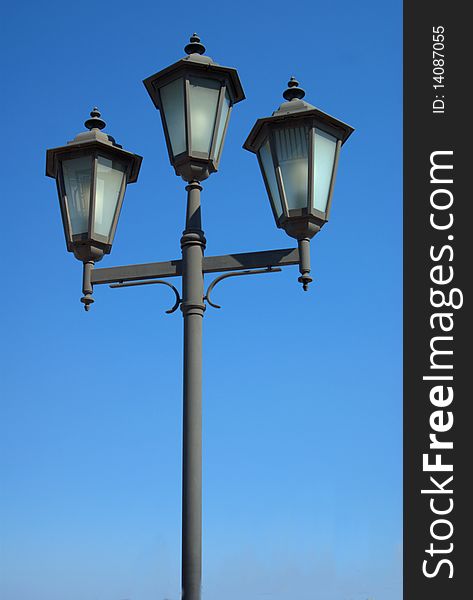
(195,46)
(293,90)
(95,122)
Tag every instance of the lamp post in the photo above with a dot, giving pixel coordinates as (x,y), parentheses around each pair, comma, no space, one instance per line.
(297,149)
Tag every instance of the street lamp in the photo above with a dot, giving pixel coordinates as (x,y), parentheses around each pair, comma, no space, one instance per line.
(297,149)
(195,96)
(91,172)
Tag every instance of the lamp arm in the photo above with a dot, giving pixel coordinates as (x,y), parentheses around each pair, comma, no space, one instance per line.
(211,264)
(230,265)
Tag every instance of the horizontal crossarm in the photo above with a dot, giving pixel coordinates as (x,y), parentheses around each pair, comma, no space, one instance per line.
(211,264)
(171,268)
(251,260)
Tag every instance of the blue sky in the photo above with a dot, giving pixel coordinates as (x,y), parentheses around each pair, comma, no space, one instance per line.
(302,391)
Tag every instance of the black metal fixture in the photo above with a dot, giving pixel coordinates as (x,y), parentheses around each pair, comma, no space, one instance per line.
(297,148)
(195,97)
(91,172)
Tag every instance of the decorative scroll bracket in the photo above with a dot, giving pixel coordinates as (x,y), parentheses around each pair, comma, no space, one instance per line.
(235,274)
(150,282)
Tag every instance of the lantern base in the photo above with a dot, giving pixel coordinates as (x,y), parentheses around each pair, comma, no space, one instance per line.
(301,227)
(193,169)
(87,252)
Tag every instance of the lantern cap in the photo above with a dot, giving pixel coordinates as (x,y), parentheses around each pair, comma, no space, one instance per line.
(94,131)
(196,63)
(293,95)
(94,139)
(195,52)
(295,108)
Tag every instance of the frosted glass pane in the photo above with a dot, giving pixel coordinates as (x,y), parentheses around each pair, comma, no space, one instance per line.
(268,166)
(107,191)
(324,156)
(292,150)
(221,125)
(203,112)
(77,176)
(172,98)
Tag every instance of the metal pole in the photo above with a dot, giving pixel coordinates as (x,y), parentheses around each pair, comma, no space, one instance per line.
(192,306)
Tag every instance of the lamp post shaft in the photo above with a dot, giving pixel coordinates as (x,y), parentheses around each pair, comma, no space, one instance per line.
(193,307)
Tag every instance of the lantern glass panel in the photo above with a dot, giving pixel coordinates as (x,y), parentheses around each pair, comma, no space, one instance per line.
(77,174)
(110,174)
(292,150)
(223,122)
(324,159)
(172,99)
(270,175)
(203,103)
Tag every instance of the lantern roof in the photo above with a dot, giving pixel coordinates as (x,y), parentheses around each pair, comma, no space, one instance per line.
(197,62)
(94,138)
(295,108)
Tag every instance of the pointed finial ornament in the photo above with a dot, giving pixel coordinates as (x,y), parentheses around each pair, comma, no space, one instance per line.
(293,90)
(195,46)
(87,300)
(95,122)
